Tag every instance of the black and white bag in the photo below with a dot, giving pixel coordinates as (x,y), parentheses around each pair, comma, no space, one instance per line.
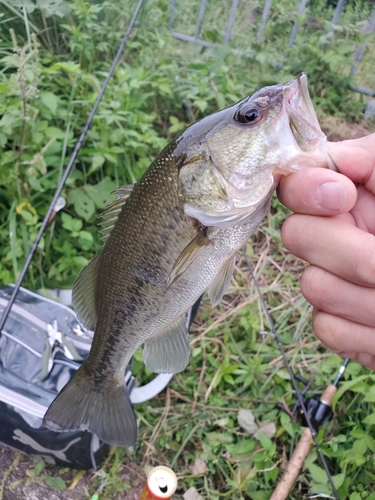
(41,346)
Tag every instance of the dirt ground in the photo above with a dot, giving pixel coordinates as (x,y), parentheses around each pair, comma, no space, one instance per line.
(16,483)
(26,488)
(339,130)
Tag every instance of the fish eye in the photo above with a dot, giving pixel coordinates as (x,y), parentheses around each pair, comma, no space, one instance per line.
(248,115)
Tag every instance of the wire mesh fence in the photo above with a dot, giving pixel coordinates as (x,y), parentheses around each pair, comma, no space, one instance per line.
(272,30)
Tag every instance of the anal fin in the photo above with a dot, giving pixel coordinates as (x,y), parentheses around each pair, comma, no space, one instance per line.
(221,283)
(168,351)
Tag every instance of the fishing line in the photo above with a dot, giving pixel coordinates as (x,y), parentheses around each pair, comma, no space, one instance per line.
(291,375)
(69,167)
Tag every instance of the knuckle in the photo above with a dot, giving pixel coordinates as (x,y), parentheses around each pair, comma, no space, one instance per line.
(324,329)
(316,288)
(294,233)
(364,267)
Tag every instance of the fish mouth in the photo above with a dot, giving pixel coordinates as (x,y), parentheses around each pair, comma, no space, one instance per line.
(299,108)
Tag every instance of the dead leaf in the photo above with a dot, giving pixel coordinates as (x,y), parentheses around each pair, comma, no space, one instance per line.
(199,467)
(268,428)
(192,494)
(246,420)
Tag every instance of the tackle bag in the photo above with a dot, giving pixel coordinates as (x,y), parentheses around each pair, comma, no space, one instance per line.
(41,346)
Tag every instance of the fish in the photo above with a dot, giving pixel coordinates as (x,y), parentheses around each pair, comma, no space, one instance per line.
(173,236)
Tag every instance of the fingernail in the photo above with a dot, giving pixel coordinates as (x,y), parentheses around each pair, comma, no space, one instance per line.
(331,195)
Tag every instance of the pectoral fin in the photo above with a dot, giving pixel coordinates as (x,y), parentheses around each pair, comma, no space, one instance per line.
(188,255)
(220,284)
(169,351)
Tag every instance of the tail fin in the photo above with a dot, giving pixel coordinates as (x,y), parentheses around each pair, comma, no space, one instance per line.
(108,413)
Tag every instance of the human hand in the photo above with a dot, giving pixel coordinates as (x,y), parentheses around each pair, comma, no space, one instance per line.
(334,230)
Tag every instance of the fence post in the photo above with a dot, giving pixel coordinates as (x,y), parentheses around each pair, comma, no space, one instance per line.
(293,33)
(266,13)
(336,16)
(361,49)
(202,10)
(172,13)
(232,16)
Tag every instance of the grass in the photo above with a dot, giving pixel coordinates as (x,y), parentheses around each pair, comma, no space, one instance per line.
(235,363)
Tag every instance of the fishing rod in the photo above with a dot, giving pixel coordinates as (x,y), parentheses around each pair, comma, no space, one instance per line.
(55,200)
(320,412)
(314,412)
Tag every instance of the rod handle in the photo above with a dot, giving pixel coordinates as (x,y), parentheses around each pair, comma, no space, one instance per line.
(328,395)
(294,466)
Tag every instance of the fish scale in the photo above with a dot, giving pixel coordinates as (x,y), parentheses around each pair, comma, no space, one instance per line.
(174,236)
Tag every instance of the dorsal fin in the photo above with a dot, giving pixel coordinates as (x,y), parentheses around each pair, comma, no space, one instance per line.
(112,211)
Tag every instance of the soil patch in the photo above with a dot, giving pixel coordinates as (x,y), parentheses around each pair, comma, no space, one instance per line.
(339,130)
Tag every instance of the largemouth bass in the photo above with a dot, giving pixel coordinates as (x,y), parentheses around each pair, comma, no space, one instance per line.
(173,236)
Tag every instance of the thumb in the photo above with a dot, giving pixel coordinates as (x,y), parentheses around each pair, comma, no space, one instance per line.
(356,159)
(317,191)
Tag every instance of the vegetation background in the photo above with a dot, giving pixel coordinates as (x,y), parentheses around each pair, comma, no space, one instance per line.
(55,55)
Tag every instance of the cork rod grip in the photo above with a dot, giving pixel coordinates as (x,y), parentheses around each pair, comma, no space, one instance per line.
(294,466)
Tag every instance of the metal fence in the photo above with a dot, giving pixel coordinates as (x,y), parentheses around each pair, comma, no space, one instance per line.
(359,51)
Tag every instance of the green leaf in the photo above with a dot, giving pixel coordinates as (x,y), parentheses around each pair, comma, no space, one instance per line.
(241,448)
(8,157)
(39,465)
(219,437)
(370,441)
(50,100)
(97,162)
(70,223)
(261,495)
(357,385)
(259,457)
(358,433)
(359,447)
(318,474)
(100,194)
(69,67)
(338,479)
(370,395)
(83,205)
(370,419)
(202,105)
(10,61)
(55,483)
(287,424)
(85,235)
(264,440)
(54,133)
